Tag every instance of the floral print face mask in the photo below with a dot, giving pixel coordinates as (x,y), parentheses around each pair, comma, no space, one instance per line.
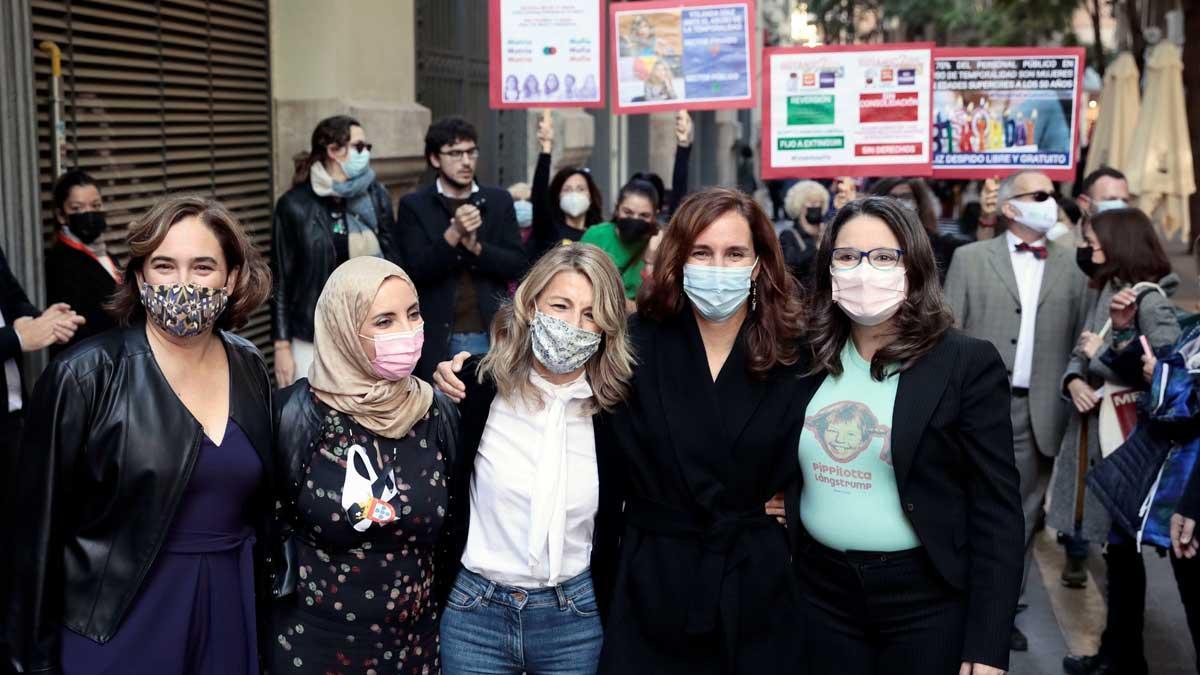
(560,346)
(183,310)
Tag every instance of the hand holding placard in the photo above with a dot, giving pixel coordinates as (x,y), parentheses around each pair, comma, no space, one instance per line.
(683,128)
(989,197)
(846,192)
(545,131)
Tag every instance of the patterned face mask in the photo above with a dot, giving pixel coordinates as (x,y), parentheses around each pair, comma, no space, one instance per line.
(560,346)
(183,310)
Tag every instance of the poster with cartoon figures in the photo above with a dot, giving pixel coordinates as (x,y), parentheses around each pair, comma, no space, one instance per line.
(853,110)
(546,53)
(682,54)
(999,110)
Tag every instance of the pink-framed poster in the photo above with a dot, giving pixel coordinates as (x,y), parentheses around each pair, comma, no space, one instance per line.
(997,110)
(546,53)
(847,110)
(682,55)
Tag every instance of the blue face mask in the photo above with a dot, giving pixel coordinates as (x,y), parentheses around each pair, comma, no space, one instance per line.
(356,163)
(1109,205)
(524,213)
(717,292)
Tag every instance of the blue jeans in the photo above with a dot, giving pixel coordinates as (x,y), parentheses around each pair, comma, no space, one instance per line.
(473,343)
(490,629)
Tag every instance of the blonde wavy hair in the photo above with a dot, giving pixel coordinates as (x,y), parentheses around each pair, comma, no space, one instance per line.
(798,195)
(510,360)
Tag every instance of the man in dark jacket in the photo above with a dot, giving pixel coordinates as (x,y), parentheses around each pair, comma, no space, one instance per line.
(461,246)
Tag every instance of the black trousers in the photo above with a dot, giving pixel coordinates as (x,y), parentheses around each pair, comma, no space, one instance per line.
(879,613)
(11,426)
(1122,641)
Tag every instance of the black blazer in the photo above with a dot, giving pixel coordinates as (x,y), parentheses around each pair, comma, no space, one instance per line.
(14,304)
(435,268)
(305,251)
(74,277)
(704,584)
(475,409)
(952,451)
(107,454)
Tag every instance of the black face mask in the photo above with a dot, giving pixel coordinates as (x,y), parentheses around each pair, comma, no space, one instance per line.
(87,226)
(1083,258)
(634,230)
(814,215)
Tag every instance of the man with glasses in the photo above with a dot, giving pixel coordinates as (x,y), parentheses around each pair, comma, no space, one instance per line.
(1026,296)
(461,246)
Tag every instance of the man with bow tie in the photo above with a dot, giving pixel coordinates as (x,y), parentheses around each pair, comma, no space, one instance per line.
(1025,295)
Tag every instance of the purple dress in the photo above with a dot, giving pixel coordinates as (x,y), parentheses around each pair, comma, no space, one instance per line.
(194,614)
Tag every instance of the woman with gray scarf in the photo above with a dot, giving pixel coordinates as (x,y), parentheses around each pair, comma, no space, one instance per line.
(335,211)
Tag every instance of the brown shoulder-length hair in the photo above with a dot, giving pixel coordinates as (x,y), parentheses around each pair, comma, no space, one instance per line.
(1132,251)
(923,317)
(773,327)
(147,233)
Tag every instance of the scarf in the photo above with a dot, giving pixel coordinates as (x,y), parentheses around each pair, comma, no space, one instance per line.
(548,511)
(355,192)
(341,375)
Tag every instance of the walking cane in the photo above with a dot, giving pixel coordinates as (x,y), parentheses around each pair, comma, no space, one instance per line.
(1081,477)
(58,127)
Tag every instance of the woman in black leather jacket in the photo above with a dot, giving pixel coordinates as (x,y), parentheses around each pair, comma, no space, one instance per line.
(145,469)
(367,454)
(336,210)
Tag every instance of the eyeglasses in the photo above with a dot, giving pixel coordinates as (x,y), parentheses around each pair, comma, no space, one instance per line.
(361,145)
(458,155)
(880,258)
(1038,195)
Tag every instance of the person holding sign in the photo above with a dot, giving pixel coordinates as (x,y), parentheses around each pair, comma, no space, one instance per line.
(565,207)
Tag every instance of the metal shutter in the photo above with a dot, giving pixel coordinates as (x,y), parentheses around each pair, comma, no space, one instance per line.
(162,96)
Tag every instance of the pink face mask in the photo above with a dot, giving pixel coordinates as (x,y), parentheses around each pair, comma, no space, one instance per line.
(869,296)
(396,354)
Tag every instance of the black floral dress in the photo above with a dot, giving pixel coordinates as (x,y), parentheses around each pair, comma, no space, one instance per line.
(367,518)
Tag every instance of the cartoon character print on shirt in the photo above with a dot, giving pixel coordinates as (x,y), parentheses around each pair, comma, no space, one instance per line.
(367,495)
(847,428)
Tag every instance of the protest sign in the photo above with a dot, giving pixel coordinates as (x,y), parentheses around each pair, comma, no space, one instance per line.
(546,53)
(682,55)
(1000,110)
(852,110)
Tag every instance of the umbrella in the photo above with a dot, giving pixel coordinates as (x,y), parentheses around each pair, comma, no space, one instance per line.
(1159,165)
(1119,103)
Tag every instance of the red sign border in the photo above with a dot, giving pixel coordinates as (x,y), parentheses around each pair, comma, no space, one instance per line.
(921,169)
(1066,173)
(495,76)
(747,102)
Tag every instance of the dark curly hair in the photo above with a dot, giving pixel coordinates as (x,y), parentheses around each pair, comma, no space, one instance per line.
(920,322)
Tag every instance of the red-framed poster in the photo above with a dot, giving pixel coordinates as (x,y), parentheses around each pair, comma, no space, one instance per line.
(997,110)
(546,53)
(847,110)
(682,55)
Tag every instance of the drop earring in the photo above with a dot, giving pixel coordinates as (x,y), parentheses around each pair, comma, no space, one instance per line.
(753,296)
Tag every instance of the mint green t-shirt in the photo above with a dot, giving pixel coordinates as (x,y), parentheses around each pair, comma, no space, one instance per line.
(628,259)
(850,501)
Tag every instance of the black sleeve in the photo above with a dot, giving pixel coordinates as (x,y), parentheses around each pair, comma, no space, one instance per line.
(386,230)
(1189,503)
(995,523)
(543,236)
(283,246)
(426,259)
(55,435)
(14,304)
(679,177)
(502,256)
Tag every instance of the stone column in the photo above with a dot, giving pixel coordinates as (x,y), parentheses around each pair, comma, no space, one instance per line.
(357,59)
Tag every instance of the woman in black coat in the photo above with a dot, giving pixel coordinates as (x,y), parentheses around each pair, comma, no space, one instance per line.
(907,524)
(703,584)
(336,210)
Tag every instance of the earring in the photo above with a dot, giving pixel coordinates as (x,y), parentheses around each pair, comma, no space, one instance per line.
(753,295)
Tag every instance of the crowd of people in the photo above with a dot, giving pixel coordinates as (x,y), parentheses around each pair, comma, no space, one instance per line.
(507,434)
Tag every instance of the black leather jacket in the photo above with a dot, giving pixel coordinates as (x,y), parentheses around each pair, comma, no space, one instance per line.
(298,421)
(108,451)
(305,251)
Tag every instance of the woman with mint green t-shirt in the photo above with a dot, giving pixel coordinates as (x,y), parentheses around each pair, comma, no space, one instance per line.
(906,524)
(624,238)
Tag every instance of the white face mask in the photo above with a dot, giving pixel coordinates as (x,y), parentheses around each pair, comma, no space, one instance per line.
(869,296)
(574,204)
(1037,216)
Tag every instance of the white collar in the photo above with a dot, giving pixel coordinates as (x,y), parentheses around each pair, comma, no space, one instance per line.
(440,191)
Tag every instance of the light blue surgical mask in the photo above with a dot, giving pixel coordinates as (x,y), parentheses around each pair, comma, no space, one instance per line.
(356,162)
(1109,205)
(717,292)
(524,211)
